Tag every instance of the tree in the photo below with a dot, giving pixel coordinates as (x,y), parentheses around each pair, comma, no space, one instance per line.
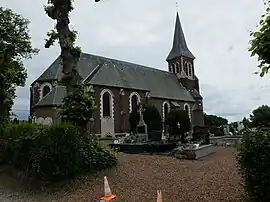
(260,44)
(260,116)
(178,122)
(15,45)
(59,11)
(213,120)
(246,122)
(215,124)
(77,108)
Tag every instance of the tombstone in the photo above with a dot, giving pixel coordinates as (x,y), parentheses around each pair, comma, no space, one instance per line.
(142,127)
(47,121)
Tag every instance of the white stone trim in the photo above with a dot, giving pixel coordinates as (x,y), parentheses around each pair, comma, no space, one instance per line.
(111,102)
(189,110)
(42,86)
(163,109)
(130,100)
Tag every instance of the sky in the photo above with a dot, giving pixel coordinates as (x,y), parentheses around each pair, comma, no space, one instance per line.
(139,31)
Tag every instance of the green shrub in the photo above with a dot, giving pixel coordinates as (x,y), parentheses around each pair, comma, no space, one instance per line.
(151,117)
(176,116)
(54,152)
(253,158)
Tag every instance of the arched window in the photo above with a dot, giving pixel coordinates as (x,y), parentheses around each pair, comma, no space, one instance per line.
(190,70)
(134,103)
(173,68)
(180,68)
(166,110)
(187,109)
(134,99)
(170,68)
(46,89)
(106,101)
(186,68)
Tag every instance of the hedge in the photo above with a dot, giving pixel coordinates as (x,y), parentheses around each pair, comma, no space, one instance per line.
(53,153)
(253,157)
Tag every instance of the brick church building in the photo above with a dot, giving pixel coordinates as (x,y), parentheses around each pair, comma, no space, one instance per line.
(118,86)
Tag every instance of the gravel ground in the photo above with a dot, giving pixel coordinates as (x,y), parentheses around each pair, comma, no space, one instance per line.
(137,178)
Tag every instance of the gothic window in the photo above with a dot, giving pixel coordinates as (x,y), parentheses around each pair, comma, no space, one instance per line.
(170,68)
(173,68)
(106,98)
(186,68)
(190,70)
(46,89)
(178,67)
(187,109)
(165,110)
(134,103)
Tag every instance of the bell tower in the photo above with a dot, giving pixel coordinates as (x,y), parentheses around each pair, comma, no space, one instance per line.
(181,63)
(181,60)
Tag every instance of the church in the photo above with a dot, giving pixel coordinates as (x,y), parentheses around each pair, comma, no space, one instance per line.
(118,86)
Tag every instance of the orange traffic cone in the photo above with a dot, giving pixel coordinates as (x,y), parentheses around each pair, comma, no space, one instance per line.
(159,196)
(108,196)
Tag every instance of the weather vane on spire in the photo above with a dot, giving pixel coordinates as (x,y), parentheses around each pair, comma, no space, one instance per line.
(177,4)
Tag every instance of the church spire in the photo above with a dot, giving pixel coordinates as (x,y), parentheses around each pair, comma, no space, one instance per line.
(179,43)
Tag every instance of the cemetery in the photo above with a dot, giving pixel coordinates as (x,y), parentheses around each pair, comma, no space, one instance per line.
(143,143)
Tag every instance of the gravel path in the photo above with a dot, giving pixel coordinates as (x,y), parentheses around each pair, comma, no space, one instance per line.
(137,178)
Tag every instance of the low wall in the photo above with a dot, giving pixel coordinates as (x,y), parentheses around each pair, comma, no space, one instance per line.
(138,148)
(224,140)
(203,150)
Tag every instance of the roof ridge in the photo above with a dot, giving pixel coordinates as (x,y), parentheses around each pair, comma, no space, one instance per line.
(130,63)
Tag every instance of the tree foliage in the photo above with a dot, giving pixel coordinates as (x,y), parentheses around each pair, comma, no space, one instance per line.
(176,116)
(260,44)
(254,163)
(59,11)
(77,108)
(15,45)
(260,116)
(213,120)
(246,122)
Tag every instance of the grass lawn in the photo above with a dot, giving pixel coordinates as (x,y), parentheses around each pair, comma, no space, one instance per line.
(137,178)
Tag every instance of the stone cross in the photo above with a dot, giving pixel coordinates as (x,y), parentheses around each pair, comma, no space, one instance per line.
(140,110)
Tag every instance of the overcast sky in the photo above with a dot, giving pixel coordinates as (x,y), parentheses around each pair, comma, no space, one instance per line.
(141,31)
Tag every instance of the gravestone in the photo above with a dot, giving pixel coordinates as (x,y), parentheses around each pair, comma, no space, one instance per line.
(142,127)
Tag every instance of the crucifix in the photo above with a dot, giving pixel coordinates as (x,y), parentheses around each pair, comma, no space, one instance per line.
(140,110)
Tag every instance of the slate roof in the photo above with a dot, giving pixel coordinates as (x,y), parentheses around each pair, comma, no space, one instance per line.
(54,97)
(179,47)
(97,70)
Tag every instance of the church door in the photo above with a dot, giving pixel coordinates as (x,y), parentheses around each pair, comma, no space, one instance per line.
(107,120)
